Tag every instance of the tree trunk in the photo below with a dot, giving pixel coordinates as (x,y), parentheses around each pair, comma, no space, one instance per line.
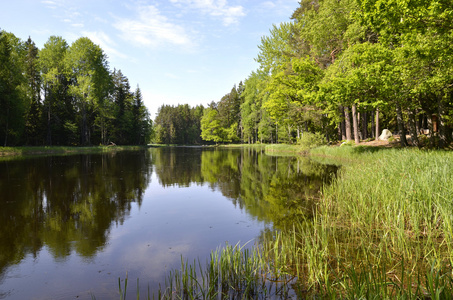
(359,129)
(376,125)
(421,122)
(365,125)
(341,126)
(443,140)
(429,120)
(401,129)
(355,124)
(373,130)
(413,128)
(417,121)
(347,121)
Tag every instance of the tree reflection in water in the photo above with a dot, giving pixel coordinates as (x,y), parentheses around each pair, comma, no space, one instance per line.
(69,204)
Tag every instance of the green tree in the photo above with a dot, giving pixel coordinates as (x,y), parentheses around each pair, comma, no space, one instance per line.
(211,129)
(89,82)
(123,100)
(178,125)
(141,122)
(165,129)
(275,49)
(12,85)
(57,105)
(228,109)
(33,128)
(251,108)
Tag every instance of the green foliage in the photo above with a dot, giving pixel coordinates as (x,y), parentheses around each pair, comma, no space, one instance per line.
(220,121)
(256,123)
(210,126)
(347,143)
(13,100)
(311,140)
(335,60)
(65,95)
(275,51)
(178,125)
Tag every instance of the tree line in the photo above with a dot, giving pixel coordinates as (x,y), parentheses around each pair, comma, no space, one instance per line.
(66,95)
(346,69)
(342,69)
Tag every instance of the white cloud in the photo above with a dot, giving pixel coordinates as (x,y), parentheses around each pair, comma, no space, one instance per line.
(105,42)
(153,29)
(216,8)
(50,4)
(268,5)
(283,8)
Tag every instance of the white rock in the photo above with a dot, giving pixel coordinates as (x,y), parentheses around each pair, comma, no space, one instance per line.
(385,135)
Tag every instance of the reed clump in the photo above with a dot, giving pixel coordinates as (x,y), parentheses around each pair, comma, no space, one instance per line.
(232,272)
(384,225)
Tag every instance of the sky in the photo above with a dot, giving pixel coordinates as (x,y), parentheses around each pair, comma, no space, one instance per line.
(176,51)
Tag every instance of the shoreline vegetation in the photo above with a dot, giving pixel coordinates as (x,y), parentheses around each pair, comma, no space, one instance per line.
(57,150)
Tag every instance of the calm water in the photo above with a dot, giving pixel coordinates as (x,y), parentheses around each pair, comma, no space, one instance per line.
(70,226)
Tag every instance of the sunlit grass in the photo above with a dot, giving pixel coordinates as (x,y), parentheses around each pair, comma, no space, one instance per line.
(282,149)
(388,214)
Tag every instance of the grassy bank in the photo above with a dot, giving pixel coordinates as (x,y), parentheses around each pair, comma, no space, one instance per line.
(283,149)
(15,151)
(382,229)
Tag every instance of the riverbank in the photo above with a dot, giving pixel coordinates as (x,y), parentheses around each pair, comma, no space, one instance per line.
(382,229)
(51,150)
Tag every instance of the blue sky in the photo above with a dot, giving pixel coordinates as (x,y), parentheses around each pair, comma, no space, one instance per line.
(177,51)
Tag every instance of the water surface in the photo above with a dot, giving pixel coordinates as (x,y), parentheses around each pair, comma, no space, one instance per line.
(70,226)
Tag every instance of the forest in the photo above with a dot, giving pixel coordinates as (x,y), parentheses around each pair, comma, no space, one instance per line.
(342,70)
(66,95)
(345,70)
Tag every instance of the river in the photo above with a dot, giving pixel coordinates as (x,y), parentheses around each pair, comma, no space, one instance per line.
(71,226)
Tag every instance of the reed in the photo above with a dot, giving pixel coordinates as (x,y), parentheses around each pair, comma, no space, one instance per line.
(389,208)
(232,272)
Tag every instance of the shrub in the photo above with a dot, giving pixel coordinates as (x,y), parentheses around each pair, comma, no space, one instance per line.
(347,143)
(311,140)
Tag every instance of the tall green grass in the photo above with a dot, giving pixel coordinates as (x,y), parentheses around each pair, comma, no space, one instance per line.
(387,216)
(283,149)
(232,272)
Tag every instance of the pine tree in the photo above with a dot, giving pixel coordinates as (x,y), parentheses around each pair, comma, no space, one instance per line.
(33,128)
(141,122)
